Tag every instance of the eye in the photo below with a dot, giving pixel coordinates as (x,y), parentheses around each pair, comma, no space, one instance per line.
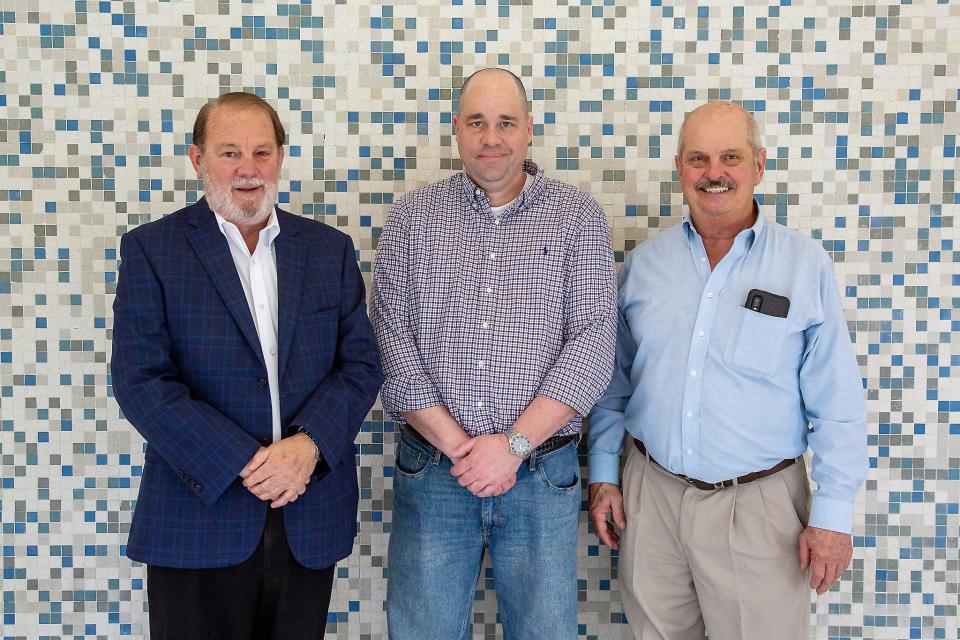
(476,124)
(732,157)
(230,154)
(506,124)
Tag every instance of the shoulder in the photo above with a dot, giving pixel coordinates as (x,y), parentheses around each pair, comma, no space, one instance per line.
(170,224)
(311,230)
(564,195)
(429,198)
(792,245)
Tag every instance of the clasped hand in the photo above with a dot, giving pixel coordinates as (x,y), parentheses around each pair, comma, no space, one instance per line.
(280,472)
(485,466)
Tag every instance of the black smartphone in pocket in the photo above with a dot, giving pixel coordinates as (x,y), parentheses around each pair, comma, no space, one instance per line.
(769,304)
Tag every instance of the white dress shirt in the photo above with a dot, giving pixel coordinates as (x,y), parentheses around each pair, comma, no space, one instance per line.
(258,275)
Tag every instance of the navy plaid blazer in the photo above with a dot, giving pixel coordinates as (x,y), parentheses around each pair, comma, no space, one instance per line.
(188,373)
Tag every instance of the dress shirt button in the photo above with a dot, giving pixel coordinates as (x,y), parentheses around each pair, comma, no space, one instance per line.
(689,452)
(497,221)
(693,374)
(689,414)
(485,325)
(493,255)
(480,403)
(710,295)
(489,289)
(477,192)
(481,364)
(262,382)
(700,334)
(273,351)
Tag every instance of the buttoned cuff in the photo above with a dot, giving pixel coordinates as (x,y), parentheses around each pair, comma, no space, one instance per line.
(603,467)
(828,513)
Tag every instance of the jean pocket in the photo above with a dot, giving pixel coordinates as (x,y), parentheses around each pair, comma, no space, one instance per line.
(754,346)
(560,471)
(411,462)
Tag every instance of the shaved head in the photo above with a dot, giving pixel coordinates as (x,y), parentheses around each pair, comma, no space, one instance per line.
(495,71)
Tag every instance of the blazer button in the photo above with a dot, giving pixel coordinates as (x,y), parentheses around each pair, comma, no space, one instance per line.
(265,441)
(262,382)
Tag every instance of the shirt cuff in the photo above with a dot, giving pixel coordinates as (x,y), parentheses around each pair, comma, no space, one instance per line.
(828,513)
(402,394)
(603,467)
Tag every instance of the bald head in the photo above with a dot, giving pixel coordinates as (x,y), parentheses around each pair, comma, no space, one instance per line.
(494,79)
(720,108)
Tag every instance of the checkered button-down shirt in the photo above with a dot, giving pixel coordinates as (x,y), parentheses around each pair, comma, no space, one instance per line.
(481,313)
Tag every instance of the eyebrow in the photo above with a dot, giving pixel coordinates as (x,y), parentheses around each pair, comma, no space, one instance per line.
(480,116)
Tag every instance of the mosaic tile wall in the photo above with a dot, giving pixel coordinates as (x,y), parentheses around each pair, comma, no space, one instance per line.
(859,105)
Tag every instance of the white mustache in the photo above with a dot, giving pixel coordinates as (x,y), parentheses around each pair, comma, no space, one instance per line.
(706,184)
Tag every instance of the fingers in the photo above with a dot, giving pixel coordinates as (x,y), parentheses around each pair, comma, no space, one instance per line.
(462,449)
(285,498)
(817,572)
(604,530)
(255,462)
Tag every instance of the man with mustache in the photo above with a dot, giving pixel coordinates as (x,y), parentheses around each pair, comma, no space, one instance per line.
(733,356)
(493,304)
(243,355)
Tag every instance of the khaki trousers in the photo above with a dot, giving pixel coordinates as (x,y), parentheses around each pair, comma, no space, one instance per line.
(725,562)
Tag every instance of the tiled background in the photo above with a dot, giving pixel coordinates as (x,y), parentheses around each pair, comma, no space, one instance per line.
(859,105)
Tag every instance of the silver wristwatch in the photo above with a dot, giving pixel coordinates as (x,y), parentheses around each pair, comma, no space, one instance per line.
(519,444)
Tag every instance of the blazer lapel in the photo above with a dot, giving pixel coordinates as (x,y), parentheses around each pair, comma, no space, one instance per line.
(291,264)
(214,253)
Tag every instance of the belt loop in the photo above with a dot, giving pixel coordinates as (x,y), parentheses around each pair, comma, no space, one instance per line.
(736,482)
(533,460)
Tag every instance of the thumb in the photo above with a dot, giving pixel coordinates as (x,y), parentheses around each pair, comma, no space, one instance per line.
(804,551)
(463,448)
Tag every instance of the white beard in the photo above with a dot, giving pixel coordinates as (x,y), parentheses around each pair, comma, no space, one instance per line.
(220,200)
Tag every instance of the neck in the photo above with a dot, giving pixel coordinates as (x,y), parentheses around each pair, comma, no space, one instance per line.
(500,197)
(719,233)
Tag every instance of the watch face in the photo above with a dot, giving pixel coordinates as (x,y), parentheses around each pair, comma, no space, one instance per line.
(520,445)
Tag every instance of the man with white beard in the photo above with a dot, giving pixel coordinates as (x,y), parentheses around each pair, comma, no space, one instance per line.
(243,355)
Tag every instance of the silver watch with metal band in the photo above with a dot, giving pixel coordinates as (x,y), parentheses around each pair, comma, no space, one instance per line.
(520,445)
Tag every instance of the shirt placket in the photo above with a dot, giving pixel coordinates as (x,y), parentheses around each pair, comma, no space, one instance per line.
(490,282)
(690,420)
(266,327)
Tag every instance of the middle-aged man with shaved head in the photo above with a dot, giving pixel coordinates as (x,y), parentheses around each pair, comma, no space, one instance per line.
(494,309)
(733,356)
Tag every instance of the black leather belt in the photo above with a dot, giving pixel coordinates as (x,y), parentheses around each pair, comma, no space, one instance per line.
(707,486)
(550,444)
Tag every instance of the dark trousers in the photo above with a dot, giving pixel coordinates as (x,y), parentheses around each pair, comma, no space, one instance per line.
(267,597)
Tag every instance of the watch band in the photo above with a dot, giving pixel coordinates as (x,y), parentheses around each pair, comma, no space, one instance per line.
(316,447)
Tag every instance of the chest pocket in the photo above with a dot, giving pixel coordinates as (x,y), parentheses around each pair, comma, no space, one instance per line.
(755,344)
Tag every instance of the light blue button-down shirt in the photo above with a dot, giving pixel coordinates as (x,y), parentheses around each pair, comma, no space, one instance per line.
(715,390)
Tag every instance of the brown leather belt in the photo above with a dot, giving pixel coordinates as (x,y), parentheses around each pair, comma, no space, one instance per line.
(707,486)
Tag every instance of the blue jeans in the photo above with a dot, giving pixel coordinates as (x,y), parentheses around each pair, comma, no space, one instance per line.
(439,534)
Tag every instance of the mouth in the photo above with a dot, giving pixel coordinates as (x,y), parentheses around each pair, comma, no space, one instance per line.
(714,186)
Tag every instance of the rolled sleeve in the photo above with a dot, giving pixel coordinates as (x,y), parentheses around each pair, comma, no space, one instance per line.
(406,385)
(582,372)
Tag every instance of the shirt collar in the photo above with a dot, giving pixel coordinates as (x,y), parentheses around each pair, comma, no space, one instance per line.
(475,195)
(749,235)
(267,235)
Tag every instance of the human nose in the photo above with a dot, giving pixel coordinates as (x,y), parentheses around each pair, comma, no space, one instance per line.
(489,137)
(247,166)
(715,169)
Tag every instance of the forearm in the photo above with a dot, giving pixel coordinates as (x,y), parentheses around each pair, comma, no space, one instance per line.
(542,418)
(438,427)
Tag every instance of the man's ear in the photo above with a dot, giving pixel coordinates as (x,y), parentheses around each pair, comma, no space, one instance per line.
(194,154)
